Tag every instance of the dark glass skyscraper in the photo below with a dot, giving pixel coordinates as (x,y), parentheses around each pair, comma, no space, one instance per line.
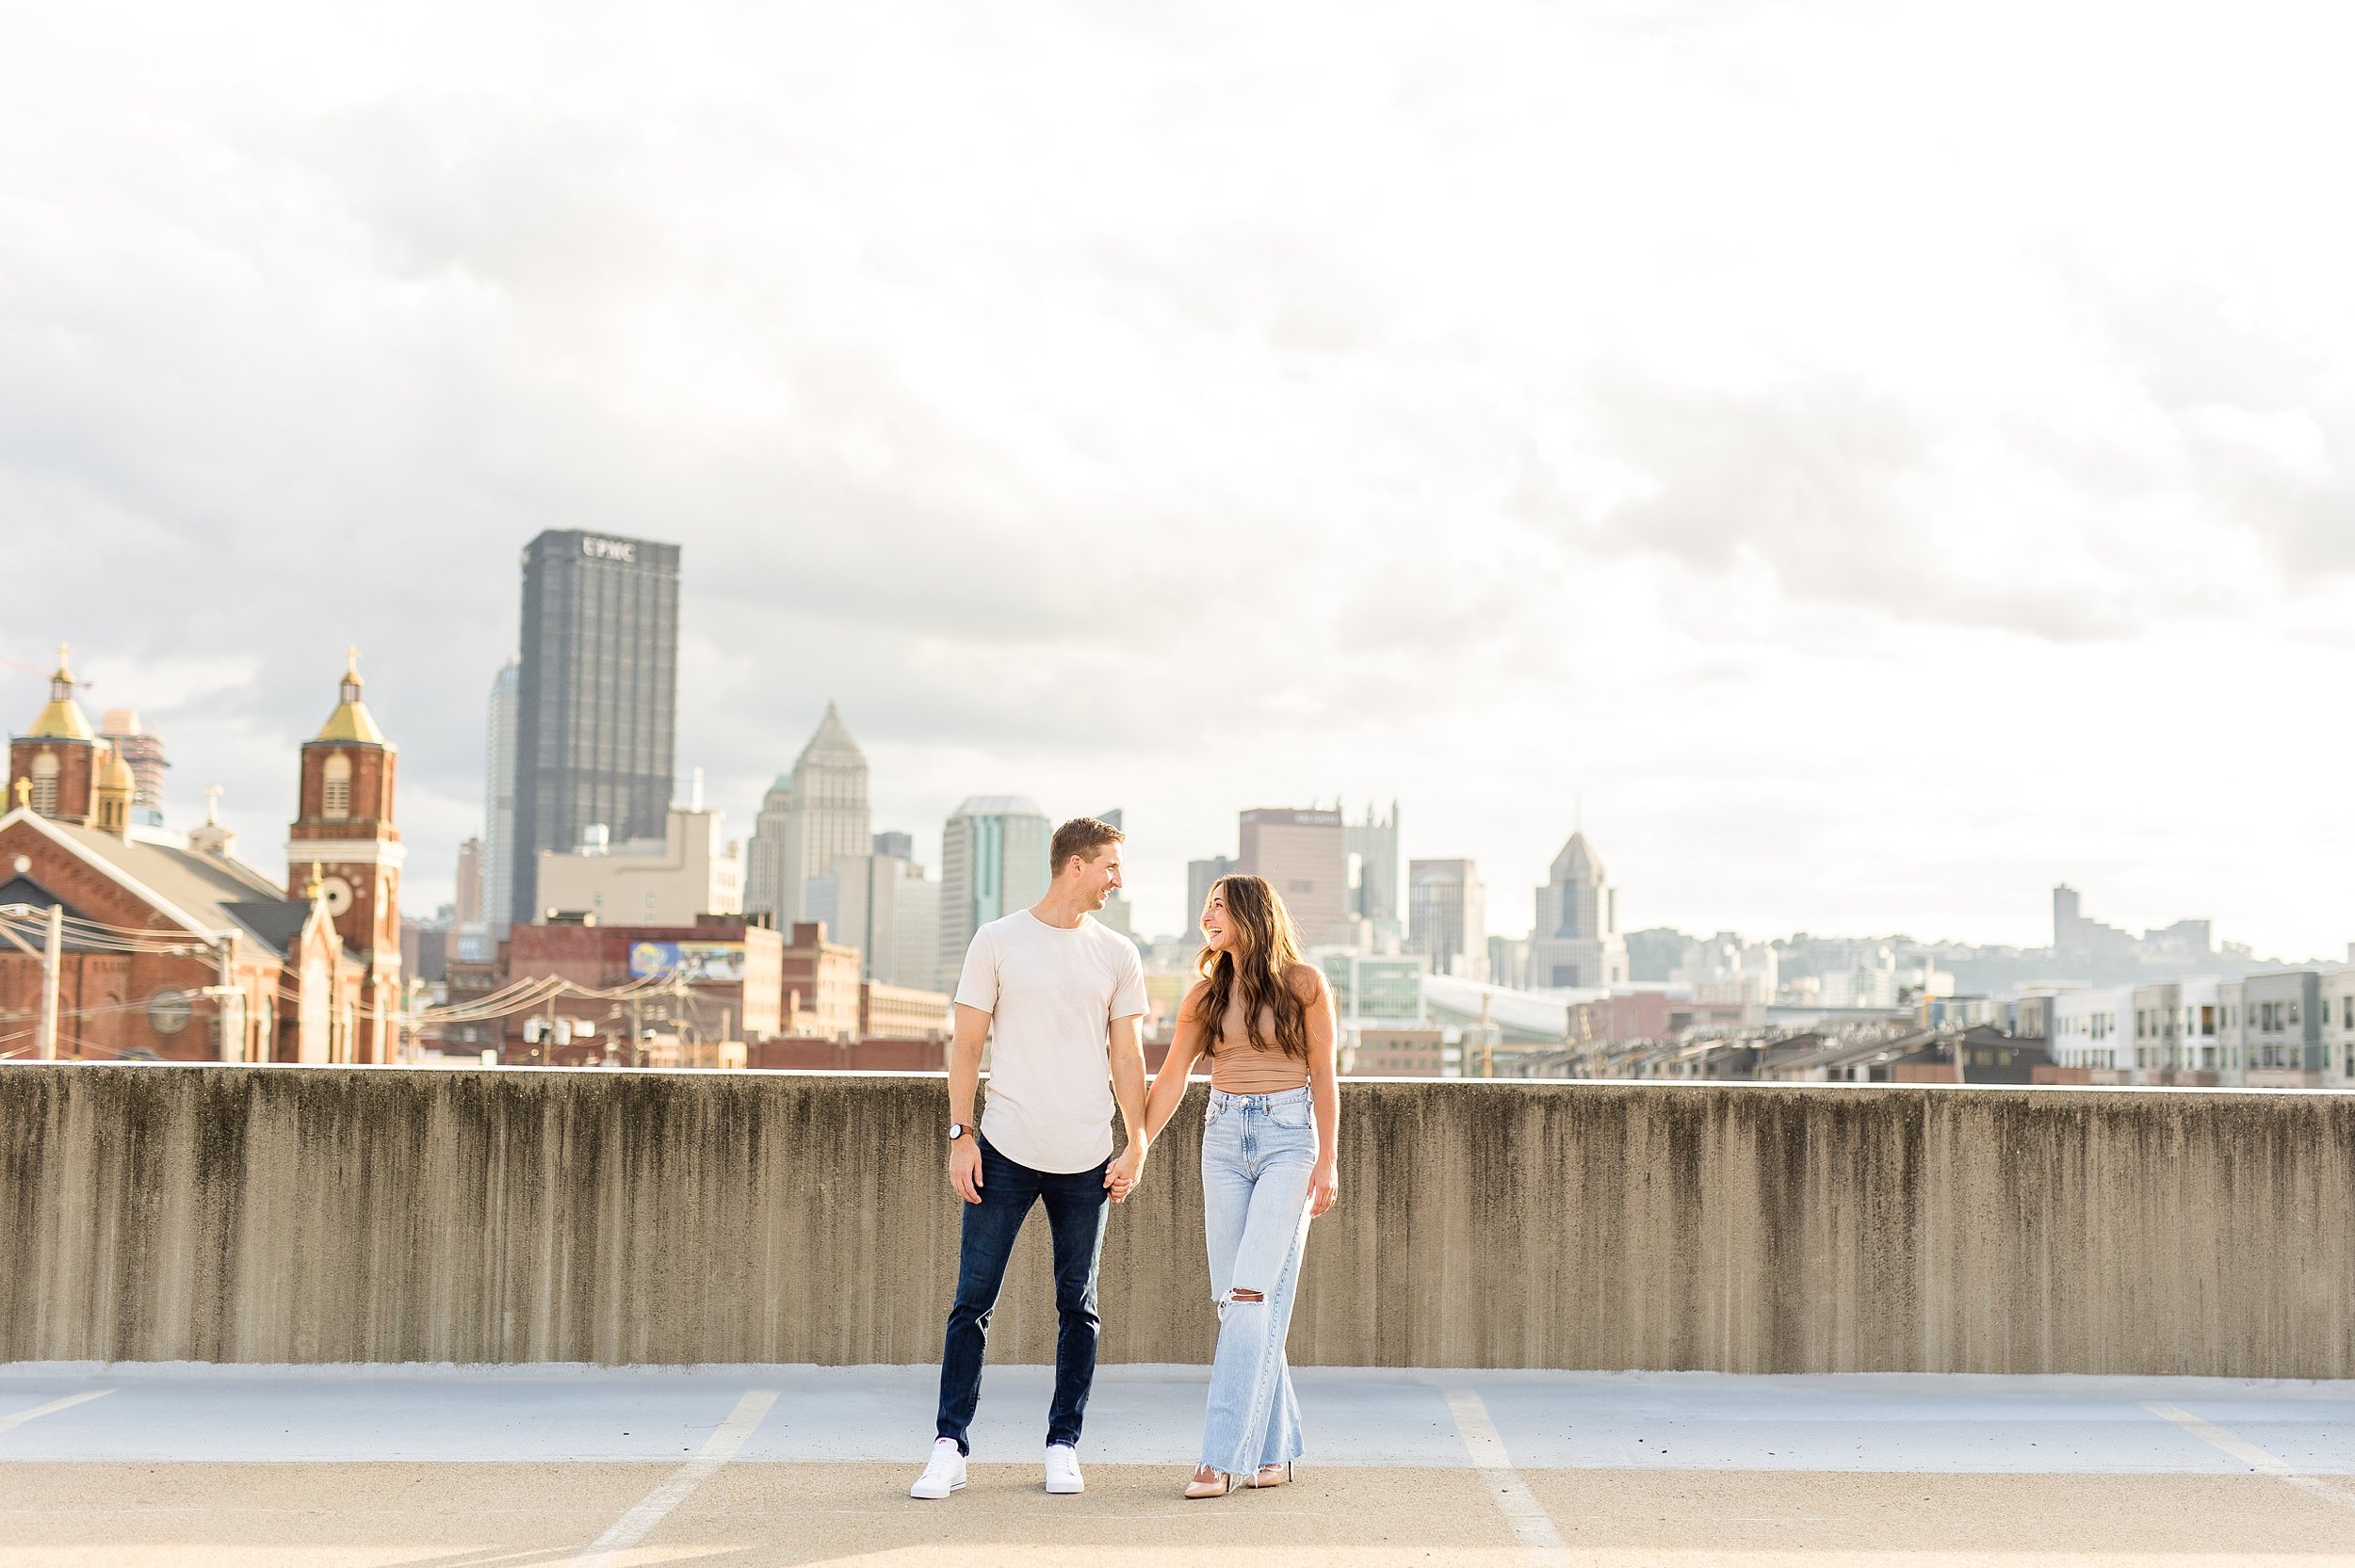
(597,701)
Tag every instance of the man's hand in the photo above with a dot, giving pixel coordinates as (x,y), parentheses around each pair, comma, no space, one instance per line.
(1325,1185)
(1121,1176)
(964,1169)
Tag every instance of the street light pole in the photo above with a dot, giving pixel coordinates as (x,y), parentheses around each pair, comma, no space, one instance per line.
(51,962)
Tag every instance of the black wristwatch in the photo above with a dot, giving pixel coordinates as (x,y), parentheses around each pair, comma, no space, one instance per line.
(956,1130)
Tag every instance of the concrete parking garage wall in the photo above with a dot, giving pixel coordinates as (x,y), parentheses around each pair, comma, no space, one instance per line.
(294,1214)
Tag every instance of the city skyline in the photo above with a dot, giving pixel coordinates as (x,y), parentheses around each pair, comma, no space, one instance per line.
(1874,528)
(1159,877)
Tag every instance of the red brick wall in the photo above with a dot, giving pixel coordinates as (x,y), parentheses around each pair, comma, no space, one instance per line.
(77,762)
(371,815)
(861,1055)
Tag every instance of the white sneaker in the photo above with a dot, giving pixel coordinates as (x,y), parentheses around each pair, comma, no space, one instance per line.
(943,1472)
(1063,1470)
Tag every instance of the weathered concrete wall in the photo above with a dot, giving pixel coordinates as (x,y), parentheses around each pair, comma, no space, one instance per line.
(338,1214)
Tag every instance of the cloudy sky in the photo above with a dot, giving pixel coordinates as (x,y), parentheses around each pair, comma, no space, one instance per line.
(1884,458)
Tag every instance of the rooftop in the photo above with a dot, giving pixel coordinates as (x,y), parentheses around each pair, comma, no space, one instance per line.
(187,1464)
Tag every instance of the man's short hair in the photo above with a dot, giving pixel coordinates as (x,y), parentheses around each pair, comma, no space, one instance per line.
(1082,835)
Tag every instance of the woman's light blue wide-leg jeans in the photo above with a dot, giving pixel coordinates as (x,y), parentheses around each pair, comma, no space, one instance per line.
(1258,1154)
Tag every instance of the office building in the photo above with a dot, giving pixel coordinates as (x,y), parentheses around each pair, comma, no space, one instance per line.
(1384,987)
(596,696)
(898,844)
(1302,854)
(467,902)
(498,802)
(1576,942)
(810,817)
(1372,849)
(2282,1029)
(822,987)
(889,910)
(1447,916)
(1201,875)
(993,861)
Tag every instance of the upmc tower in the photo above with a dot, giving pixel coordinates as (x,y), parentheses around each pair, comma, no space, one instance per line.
(597,698)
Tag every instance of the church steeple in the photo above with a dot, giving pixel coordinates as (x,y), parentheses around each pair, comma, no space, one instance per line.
(53,767)
(344,850)
(63,719)
(351,719)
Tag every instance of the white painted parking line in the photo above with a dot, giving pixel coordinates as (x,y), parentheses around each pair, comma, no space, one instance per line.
(1531,1524)
(632,1527)
(2250,1454)
(9,1423)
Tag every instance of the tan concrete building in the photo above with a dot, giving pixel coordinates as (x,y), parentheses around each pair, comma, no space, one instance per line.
(1303,855)
(1397,1052)
(902,1013)
(821,984)
(692,871)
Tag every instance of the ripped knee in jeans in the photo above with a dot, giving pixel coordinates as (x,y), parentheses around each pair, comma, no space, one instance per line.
(1242,1294)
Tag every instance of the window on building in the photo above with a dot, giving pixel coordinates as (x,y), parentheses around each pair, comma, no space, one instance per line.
(44,799)
(335,788)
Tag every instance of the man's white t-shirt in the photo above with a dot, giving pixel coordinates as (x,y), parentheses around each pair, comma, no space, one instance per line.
(1052,995)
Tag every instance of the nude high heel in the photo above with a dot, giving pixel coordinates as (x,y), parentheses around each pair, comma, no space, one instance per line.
(1272,1475)
(1218,1485)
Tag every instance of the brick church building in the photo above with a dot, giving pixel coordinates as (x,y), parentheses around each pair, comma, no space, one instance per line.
(174,948)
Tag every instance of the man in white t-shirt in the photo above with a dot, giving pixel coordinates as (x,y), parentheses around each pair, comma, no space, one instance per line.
(1059,995)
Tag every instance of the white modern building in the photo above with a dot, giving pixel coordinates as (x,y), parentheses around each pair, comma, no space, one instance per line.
(2094,1028)
(809,818)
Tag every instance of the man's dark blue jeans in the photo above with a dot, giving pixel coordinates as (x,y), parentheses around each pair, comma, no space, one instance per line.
(1074,1221)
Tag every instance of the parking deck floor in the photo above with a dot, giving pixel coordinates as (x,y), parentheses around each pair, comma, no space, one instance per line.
(430,1467)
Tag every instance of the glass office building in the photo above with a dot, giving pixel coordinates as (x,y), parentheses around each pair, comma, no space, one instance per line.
(596,696)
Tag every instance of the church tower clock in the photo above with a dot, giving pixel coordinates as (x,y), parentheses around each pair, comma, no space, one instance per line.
(344,833)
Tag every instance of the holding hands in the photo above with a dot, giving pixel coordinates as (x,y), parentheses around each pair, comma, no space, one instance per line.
(1126,1168)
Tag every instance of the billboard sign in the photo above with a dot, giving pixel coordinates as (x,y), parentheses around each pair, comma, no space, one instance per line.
(720,963)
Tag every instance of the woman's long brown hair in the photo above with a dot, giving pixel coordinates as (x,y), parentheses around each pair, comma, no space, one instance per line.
(1254,968)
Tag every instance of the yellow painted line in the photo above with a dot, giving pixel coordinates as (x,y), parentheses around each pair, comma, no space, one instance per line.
(1526,1516)
(633,1527)
(9,1423)
(2250,1454)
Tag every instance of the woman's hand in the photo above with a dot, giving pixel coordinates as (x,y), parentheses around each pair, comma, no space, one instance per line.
(1323,1186)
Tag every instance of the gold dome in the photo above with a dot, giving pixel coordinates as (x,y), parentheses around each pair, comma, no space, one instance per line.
(115,773)
(351,719)
(63,719)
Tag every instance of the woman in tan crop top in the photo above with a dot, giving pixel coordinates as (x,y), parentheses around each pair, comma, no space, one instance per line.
(1268,1141)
